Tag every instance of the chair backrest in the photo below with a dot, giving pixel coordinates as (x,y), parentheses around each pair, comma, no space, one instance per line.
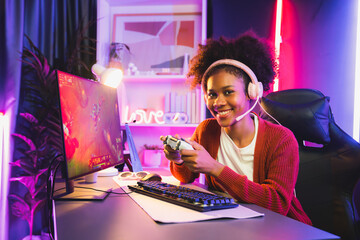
(329,162)
(356,204)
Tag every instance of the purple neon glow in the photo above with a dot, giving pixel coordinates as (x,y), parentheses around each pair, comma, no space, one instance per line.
(356,120)
(277,39)
(1,140)
(4,167)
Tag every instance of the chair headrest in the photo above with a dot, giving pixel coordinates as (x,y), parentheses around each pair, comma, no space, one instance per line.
(307,117)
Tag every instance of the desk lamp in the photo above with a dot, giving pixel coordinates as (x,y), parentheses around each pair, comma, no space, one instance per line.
(108,76)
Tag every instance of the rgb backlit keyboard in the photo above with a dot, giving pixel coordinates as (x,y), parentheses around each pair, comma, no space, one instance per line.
(183,196)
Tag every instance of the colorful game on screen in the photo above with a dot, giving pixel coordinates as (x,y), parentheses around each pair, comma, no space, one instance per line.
(91,125)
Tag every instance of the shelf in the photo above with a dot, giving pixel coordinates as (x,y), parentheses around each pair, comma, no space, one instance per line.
(192,125)
(155,78)
(142,3)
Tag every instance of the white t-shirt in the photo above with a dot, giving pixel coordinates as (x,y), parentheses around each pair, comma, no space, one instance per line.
(241,160)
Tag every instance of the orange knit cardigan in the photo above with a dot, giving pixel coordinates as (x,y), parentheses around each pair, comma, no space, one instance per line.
(276,165)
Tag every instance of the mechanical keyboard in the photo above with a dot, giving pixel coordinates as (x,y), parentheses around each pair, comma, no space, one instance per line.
(183,196)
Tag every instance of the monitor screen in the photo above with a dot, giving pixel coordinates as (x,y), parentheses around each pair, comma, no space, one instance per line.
(91,125)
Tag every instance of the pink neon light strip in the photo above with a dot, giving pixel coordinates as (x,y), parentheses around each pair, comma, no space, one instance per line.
(279,4)
(2,182)
(2,125)
(356,120)
(4,144)
(4,164)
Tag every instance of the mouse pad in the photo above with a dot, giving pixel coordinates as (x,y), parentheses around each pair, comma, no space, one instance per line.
(164,212)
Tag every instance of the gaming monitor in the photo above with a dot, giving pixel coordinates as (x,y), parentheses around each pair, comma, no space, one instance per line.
(92,136)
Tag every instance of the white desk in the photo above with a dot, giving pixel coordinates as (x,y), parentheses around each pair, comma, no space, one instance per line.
(119,217)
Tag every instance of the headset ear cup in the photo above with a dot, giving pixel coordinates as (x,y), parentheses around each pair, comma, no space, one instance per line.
(252,91)
(255,90)
(260,89)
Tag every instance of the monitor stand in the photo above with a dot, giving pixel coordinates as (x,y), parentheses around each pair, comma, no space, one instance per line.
(81,192)
(108,172)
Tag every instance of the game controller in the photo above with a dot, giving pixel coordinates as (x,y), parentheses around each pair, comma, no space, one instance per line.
(177,144)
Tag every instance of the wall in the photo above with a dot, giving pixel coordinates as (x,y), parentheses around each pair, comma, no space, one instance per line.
(318,51)
(318,43)
(232,17)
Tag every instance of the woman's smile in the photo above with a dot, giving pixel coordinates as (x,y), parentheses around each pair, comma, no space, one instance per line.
(225,97)
(223,113)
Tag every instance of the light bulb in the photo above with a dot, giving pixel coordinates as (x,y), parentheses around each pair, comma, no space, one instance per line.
(108,76)
(111,77)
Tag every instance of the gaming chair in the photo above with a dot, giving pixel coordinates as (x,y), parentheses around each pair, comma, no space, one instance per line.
(328,183)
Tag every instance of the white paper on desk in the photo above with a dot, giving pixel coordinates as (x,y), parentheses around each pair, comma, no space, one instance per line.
(165,212)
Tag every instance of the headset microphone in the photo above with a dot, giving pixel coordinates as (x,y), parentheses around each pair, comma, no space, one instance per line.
(247,112)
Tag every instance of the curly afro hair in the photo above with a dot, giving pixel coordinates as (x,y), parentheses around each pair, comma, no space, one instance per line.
(247,48)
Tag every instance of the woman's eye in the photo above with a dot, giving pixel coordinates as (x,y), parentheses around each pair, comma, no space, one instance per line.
(227,92)
(211,95)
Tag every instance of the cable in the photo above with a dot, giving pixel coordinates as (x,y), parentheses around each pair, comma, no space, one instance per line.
(248,111)
(94,189)
(253,106)
(273,118)
(49,191)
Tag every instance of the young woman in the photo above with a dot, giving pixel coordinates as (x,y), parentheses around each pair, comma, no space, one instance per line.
(253,160)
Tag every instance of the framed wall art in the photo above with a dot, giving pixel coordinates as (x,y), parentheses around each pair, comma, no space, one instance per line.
(159,43)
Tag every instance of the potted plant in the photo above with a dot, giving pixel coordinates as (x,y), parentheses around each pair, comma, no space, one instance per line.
(31,171)
(37,141)
(152,155)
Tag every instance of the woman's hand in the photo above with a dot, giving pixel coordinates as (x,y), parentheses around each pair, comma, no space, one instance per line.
(197,160)
(171,154)
(200,161)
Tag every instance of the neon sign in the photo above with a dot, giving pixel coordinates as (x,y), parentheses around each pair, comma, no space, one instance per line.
(142,116)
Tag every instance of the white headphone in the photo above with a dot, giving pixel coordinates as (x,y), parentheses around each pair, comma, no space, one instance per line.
(255,88)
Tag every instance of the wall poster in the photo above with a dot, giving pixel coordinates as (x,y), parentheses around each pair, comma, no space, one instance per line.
(159,42)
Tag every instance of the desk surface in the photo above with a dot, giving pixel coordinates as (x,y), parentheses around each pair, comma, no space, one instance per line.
(119,217)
